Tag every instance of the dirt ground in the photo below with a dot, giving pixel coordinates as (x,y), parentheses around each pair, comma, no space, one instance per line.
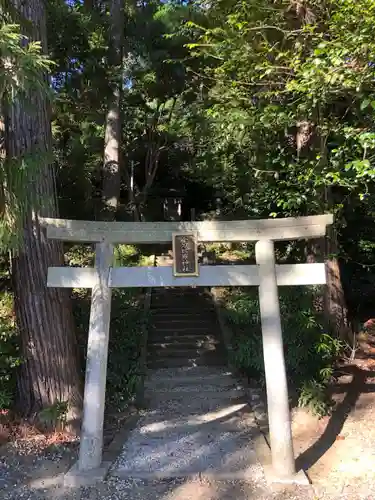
(337,452)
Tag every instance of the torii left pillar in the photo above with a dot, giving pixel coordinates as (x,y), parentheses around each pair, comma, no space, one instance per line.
(90,466)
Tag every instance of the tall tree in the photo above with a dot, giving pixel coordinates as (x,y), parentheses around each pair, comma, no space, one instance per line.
(50,370)
(112,138)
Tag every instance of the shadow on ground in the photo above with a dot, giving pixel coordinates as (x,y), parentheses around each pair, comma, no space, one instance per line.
(352,391)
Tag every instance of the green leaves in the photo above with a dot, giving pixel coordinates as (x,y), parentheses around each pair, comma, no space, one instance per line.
(9,351)
(22,63)
(309,351)
(23,68)
(277,77)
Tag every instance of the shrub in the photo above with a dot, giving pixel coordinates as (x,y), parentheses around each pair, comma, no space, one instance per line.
(126,329)
(309,351)
(54,417)
(125,344)
(9,351)
(125,255)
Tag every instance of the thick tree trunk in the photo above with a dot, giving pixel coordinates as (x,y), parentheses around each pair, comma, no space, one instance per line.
(335,303)
(50,372)
(112,140)
(332,302)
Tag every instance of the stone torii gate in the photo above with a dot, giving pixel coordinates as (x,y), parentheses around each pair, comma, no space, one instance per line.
(265,274)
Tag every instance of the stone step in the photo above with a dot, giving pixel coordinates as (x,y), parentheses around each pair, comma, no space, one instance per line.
(190,390)
(191,383)
(178,352)
(183,330)
(190,298)
(180,309)
(188,343)
(178,344)
(223,416)
(232,424)
(196,403)
(175,336)
(178,316)
(184,320)
(183,327)
(181,306)
(180,295)
(194,374)
(196,411)
(186,362)
(234,394)
(190,352)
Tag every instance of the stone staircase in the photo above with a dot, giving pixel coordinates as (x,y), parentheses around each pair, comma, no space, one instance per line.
(184,330)
(198,420)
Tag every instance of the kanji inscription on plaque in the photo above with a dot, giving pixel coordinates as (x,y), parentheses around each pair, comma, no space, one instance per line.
(185,254)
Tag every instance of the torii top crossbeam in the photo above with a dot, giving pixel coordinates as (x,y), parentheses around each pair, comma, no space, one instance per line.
(290,228)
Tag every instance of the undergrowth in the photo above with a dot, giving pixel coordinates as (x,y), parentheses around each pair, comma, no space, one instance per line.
(310,352)
(125,341)
(9,351)
(126,333)
(128,323)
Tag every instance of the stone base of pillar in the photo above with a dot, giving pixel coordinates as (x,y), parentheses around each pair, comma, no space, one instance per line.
(263,452)
(299,478)
(75,478)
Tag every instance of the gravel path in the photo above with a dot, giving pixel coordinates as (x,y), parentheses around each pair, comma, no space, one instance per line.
(197,423)
(193,489)
(339,451)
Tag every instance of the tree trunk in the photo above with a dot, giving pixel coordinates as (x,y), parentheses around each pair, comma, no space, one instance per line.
(50,372)
(112,140)
(333,301)
(336,310)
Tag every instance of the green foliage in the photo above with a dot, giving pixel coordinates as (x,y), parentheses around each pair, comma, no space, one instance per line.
(127,329)
(127,332)
(54,417)
(310,352)
(125,254)
(23,67)
(22,63)
(313,395)
(79,255)
(217,248)
(9,351)
(289,111)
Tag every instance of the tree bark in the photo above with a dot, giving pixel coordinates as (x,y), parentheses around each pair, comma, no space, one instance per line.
(336,309)
(88,5)
(333,301)
(50,372)
(112,139)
